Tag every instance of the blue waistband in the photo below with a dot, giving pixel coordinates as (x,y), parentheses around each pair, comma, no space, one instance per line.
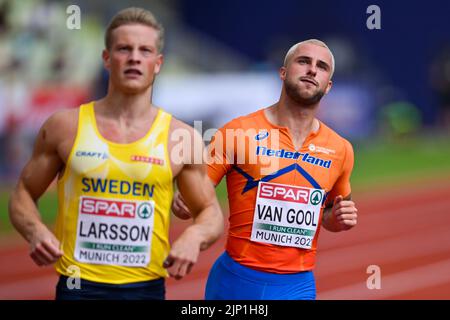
(261,276)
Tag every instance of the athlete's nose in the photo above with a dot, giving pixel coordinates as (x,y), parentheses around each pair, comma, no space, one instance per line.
(134,57)
(312,70)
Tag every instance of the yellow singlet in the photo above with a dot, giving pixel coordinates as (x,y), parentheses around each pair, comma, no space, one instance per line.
(114,204)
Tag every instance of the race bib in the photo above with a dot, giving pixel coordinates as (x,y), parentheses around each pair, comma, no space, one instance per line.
(286,215)
(114,232)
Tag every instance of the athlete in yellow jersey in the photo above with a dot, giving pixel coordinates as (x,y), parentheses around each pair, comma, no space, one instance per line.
(116,162)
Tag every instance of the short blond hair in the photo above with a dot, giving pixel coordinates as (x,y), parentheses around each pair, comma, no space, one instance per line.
(312,41)
(134,16)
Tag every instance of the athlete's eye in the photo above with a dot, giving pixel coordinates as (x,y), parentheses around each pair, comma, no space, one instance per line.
(323,66)
(146,51)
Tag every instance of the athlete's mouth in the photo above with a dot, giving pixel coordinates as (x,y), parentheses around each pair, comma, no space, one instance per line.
(133,71)
(309,80)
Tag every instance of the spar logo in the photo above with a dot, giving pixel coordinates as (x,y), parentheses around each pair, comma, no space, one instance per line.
(115,208)
(316,197)
(145,210)
(284,192)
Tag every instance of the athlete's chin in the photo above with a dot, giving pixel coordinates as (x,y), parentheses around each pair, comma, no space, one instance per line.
(307,93)
(307,98)
(134,88)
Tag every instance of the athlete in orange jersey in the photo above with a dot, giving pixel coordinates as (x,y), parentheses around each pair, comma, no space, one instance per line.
(287,174)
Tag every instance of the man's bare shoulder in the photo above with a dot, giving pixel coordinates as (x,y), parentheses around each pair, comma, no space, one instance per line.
(187,142)
(178,124)
(179,129)
(61,125)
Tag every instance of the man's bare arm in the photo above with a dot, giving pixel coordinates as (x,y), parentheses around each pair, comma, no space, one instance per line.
(38,173)
(208,222)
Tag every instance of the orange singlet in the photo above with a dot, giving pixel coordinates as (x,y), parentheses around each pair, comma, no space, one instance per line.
(276,193)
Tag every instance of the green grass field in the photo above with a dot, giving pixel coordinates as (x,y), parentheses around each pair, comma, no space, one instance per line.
(401,163)
(375,166)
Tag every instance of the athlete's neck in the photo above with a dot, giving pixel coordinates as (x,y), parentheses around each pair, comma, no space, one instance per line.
(299,120)
(125,106)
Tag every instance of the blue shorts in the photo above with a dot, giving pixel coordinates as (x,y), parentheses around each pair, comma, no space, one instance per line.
(229,280)
(89,290)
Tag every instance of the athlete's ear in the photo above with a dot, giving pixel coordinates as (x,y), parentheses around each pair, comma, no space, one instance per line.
(282,73)
(105,57)
(328,88)
(159,63)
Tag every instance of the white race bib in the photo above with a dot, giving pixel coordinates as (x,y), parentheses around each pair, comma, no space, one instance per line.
(286,215)
(114,232)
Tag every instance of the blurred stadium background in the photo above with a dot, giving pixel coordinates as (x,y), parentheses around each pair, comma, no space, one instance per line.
(391,98)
